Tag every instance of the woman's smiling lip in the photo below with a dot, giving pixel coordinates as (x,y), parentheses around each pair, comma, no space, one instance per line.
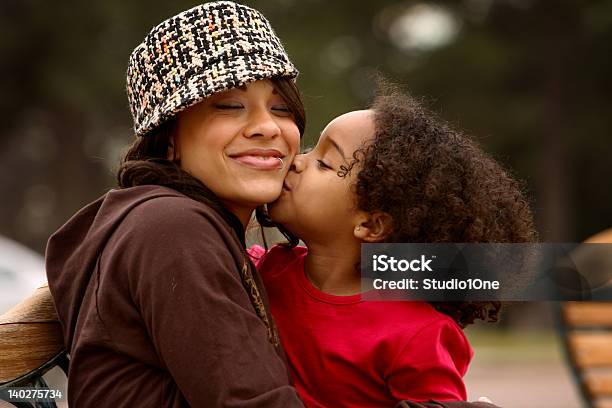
(259,159)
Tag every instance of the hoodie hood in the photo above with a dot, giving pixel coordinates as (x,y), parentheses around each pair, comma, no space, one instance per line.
(73,251)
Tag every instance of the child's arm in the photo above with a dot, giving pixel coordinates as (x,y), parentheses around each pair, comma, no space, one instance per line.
(431,365)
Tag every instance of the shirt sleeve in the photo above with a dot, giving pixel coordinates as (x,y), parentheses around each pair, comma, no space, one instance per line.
(185,282)
(431,365)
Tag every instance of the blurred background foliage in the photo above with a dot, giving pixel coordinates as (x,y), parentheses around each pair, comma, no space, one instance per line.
(531,80)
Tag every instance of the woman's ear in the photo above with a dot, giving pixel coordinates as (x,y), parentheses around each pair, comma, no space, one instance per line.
(373,227)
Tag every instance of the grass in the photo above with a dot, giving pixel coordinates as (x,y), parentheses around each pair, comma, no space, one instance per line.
(504,345)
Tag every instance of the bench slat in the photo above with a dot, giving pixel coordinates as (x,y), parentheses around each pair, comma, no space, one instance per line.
(36,308)
(606,403)
(599,384)
(591,349)
(26,346)
(585,314)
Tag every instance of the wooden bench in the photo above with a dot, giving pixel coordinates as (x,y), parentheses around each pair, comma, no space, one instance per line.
(31,343)
(586,331)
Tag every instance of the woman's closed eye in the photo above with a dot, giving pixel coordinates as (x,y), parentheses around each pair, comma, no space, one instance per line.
(282,110)
(228,105)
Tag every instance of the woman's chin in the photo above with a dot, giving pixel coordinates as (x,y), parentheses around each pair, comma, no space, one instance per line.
(259,195)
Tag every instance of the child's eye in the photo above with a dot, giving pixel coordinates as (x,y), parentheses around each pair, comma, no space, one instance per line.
(323,165)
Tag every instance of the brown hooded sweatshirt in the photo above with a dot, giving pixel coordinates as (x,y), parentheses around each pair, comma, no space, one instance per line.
(155,313)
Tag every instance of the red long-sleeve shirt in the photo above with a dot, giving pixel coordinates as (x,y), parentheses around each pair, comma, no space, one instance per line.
(345,352)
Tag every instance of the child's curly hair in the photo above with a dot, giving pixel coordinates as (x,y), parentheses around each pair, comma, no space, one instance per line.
(438,185)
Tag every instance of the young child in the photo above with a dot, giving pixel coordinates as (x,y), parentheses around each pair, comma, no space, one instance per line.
(393,173)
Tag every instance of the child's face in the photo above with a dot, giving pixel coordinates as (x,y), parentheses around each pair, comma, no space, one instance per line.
(316,202)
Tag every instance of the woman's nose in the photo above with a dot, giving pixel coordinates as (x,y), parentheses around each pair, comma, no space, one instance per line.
(261,123)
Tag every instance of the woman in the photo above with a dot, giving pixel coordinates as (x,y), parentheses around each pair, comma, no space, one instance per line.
(158,302)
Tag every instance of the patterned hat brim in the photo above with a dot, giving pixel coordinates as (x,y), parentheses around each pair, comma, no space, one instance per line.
(209,82)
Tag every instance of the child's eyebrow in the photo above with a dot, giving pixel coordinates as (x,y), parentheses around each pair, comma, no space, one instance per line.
(337,146)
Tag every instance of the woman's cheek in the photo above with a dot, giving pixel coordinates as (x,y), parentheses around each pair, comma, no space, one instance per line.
(293,139)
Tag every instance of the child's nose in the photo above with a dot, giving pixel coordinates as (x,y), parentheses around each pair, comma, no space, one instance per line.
(299,163)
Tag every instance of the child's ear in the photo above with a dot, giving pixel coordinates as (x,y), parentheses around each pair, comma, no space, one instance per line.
(373,227)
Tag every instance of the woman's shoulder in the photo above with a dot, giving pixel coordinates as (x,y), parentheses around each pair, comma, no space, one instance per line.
(174,232)
(167,217)
(156,199)
(163,206)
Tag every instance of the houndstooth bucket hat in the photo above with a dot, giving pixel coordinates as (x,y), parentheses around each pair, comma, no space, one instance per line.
(204,50)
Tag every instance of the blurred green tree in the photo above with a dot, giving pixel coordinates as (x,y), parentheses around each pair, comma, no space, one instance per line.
(529,79)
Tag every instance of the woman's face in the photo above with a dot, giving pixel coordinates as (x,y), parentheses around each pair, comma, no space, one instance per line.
(316,201)
(239,143)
